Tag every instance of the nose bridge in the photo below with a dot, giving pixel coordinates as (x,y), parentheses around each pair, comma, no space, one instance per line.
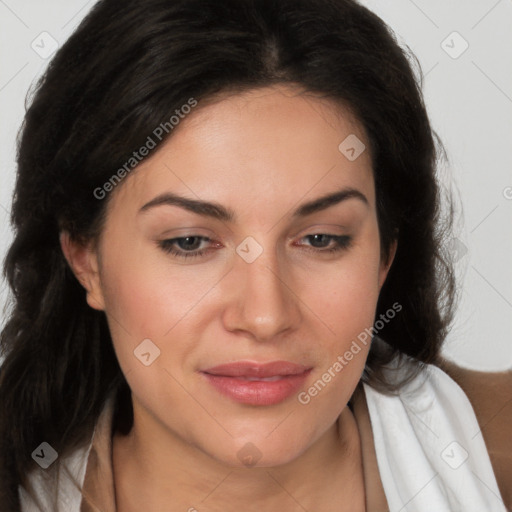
(264,304)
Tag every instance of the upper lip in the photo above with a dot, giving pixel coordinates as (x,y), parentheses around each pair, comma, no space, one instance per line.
(254,369)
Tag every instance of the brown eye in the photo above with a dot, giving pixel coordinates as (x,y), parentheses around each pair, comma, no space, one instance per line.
(189,243)
(328,243)
(319,240)
(185,246)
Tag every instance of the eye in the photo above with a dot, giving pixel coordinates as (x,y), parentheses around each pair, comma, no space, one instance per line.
(325,243)
(186,246)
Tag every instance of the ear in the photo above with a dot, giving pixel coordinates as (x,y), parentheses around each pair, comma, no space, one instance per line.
(83,260)
(385,265)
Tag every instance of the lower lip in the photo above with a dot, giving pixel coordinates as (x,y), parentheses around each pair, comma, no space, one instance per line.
(258,392)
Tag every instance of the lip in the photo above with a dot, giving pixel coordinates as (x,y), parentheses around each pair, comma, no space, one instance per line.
(254,383)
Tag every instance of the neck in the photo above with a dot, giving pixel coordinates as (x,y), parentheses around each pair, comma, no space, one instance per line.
(154,469)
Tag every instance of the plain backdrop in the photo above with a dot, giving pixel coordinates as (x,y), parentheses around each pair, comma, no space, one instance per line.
(465,51)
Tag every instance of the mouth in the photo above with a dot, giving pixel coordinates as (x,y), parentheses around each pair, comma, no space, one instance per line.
(257,383)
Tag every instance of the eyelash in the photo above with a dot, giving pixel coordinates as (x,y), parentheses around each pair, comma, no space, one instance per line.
(342,242)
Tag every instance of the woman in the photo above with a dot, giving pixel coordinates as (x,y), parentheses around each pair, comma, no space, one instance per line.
(229,279)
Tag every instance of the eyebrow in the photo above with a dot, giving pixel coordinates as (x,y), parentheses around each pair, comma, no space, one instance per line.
(324,202)
(219,212)
(204,208)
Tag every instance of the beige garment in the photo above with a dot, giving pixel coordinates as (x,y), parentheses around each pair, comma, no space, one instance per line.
(98,489)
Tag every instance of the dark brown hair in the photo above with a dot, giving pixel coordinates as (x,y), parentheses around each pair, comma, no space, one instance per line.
(125,70)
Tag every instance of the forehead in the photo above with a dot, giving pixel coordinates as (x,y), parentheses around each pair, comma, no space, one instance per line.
(273,145)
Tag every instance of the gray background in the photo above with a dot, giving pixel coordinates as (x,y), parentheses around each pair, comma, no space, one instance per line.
(468,92)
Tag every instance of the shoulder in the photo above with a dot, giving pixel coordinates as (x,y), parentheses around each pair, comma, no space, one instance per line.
(490,394)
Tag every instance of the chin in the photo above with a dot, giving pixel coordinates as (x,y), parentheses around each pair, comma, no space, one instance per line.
(260,452)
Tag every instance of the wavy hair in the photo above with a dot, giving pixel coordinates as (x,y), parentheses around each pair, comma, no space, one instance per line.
(125,70)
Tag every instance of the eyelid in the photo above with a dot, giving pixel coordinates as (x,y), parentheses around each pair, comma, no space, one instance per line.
(185,232)
(340,242)
(320,229)
(337,232)
(168,246)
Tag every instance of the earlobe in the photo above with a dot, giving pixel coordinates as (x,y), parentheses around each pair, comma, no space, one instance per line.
(83,261)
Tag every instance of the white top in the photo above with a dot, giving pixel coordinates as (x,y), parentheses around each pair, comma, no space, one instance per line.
(430,452)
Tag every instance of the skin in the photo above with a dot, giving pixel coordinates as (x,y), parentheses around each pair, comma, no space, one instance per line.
(260,154)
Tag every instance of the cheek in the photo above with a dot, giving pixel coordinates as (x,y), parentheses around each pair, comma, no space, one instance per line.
(148,293)
(345,300)
(147,299)
(345,296)
(348,310)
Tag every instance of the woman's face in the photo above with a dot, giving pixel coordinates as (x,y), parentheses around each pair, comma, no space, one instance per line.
(250,267)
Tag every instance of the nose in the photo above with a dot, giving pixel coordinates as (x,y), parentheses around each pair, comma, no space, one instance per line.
(264,303)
